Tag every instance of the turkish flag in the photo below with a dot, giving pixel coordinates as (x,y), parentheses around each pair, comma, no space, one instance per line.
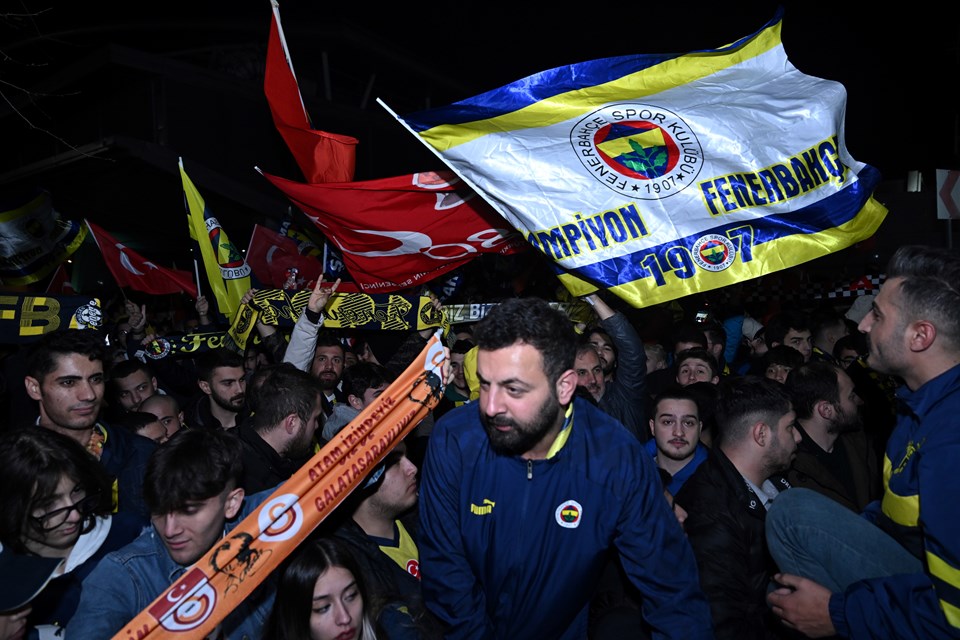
(400,232)
(322,156)
(130,269)
(272,256)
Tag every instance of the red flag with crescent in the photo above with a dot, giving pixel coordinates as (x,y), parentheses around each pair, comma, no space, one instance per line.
(130,269)
(400,232)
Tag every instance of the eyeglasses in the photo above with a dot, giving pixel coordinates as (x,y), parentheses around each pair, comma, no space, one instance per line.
(53,519)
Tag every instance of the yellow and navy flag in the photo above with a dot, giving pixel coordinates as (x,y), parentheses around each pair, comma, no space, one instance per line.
(227,271)
(658,176)
(35,240)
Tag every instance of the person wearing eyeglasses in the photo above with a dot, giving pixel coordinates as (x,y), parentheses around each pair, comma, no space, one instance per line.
(56,503)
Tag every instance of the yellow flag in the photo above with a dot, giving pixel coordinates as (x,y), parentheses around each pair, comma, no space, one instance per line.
(227,270)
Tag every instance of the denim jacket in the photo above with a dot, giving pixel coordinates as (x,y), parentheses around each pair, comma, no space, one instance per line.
(127,580)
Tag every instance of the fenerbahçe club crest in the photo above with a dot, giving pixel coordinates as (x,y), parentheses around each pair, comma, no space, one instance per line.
(638,150)
(568,514)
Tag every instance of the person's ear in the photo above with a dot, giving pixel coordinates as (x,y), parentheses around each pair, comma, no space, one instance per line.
(291,423)
(204,386)
(233,503)
(33,387)
(566,386)
(825,410)
(355,402)
(153,382)
(922,335)
(652,432)
(715,380)
(760,432)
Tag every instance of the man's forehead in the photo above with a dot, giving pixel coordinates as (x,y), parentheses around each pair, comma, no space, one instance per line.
(599,338)
(588,357)
(133,379)
(889,295)
(225,373)
(694,362)
(510,361)
(330,350)
(677,406)
(67,363)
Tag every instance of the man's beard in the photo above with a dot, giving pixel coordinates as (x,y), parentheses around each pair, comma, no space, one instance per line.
(300,447)
(327,383)
(778,460)
(523,436)
(844,422)
(673,454)
(234,404)
(607,366)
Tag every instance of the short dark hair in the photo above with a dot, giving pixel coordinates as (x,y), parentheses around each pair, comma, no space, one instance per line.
(856,341)
(210,361)
(823,320)
(782,354)
(254,349)
(744,400)
(714,332)
(32,462)
(327,338)
(365,375)
(192,466)
(675,392)
(699,354)
(930,280)
(780,325)
(136,421)
(283,389)
(534,322)
(126,368)
(689,332)
(42,356)
(706,397)
(462,346)
(810,383)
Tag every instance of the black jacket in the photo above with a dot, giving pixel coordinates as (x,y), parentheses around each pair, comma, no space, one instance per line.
(625,397)
(725,526)
(808,472)
(197,414)
(263,467)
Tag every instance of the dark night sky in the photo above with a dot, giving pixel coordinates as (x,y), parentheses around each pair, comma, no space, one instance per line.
(896,65)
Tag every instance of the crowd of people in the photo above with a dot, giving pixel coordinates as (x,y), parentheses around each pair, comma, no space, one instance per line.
(751,476)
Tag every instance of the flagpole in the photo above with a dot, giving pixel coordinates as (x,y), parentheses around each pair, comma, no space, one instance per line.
(196,274)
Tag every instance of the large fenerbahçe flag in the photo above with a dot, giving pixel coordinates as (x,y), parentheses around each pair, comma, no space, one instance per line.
(658,176)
